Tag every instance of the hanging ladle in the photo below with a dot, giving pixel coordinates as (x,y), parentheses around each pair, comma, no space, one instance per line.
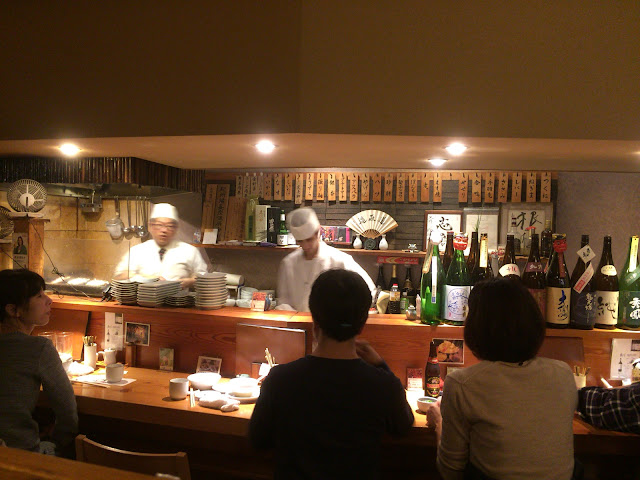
(129,231)
(142,229)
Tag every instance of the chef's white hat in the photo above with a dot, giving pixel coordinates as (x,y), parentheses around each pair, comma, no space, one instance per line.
(164,210)
(303,223)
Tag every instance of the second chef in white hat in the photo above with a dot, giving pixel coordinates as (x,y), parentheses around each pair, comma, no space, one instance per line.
(163,256)
(299,269)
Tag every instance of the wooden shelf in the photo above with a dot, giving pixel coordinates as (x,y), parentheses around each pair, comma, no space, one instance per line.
(352,251)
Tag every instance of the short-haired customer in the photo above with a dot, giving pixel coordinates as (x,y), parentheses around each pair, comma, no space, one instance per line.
(511,415)
(324,414)
(28,362)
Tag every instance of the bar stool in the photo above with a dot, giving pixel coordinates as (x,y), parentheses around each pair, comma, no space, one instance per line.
(176,464)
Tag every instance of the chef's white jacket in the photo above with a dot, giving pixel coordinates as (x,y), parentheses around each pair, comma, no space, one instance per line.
(179,261)
(297,274)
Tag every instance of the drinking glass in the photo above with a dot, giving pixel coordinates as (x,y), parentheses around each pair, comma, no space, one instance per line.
(63,343)
(50,335)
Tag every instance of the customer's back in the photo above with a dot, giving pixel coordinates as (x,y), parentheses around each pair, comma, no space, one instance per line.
(325,414)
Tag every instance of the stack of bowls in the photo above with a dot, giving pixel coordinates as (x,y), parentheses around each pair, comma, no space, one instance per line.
(211,290)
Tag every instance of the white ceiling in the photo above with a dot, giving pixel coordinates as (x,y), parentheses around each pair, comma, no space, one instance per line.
(234,152)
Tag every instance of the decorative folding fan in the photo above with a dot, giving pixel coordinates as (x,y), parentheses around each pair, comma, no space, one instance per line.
(371,223)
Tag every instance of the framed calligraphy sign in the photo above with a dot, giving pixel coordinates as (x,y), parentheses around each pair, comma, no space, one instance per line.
(441,221)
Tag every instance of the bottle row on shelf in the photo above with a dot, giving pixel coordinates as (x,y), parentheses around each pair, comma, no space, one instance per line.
(588,297)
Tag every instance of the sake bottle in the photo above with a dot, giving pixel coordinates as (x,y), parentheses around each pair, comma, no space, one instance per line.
(533,276)
(629,308)
(583,289)
(482,267)
(558,286)
(473,252)
(607,289)
(457,285)
(509,267)
(448,252)
(431,286)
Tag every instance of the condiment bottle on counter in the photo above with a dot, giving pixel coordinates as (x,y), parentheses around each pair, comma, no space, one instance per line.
(607,289)
(432,373)
(558,286)
(394,299)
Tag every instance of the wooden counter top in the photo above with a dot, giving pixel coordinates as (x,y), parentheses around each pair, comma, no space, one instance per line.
(147,400)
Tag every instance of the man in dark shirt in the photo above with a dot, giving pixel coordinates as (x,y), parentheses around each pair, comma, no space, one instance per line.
(611,408)
(325,414)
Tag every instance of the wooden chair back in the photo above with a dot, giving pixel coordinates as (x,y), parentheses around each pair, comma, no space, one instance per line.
(176,464)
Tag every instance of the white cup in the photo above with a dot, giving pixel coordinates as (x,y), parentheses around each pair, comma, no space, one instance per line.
(90,355)
(178,388)
(114,372)
(581,381)
(108,355)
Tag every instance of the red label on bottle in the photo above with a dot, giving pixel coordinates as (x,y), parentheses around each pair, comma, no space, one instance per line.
(560,245)
(460,242)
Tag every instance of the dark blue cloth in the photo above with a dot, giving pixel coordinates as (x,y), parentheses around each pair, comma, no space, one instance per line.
(325,417)
(611,408)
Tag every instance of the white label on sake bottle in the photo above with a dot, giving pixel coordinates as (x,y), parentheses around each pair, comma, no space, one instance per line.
(456,302)
(558,301)
(434,279)
(609,270)
(607,307)
(509,269)
(586,254)
(584,279)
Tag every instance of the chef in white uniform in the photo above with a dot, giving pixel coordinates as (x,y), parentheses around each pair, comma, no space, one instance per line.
(299,269)
(163,257)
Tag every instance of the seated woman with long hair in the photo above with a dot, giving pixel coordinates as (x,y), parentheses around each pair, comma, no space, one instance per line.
(511,415)
(28,362)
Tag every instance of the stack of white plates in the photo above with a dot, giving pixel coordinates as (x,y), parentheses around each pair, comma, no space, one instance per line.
(181,299)
(211,290)
(154,294)
(125,291)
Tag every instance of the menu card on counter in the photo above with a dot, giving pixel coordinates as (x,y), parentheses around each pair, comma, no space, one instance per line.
(623,352)
(114,330)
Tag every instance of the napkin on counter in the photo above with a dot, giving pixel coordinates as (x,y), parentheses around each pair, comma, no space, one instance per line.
(217,400)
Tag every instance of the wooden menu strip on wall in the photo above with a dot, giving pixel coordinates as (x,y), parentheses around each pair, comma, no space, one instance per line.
(254,185)
(320,186)
(516,187)
(261,185)
(545,187)
(489,187)
(531,187)
(299,192)
(288,186)
(364,188)
(267,189)
(246,185)
(413,187)
(331,187)
(476,187)
(377,187)
(400,185)
(353,187)
(342,186)
(463,187)
(277,186)
(239,186)
(388,187)
(308,192)
(425,181)
(503,186)
(437,188)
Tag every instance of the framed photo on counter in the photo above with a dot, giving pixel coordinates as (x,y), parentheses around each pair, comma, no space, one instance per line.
(441,221)
(209,364)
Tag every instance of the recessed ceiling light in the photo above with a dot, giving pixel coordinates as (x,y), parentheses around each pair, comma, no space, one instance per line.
(437,161)
(456,148)
(265,146)
(69,149)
